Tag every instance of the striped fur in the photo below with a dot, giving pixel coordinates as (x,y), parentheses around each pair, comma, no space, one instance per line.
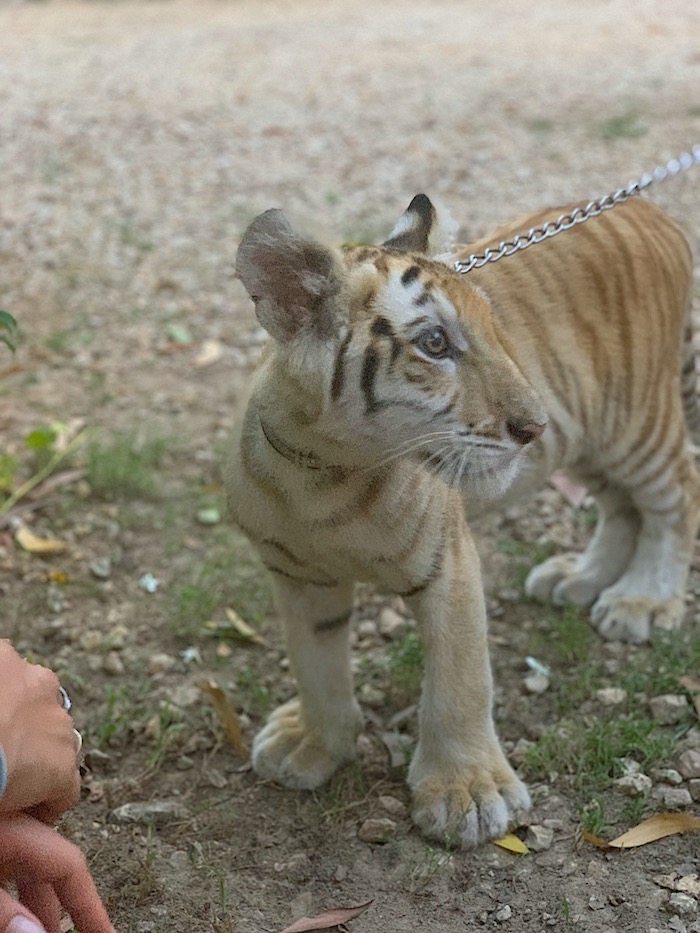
(396,398)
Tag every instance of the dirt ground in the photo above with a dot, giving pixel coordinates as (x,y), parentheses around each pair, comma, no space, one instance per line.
(137,139)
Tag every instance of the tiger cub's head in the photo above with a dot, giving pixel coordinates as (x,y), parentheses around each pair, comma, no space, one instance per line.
(388,352)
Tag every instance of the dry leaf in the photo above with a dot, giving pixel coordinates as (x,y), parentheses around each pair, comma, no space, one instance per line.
(574,493)
(246,632)
(228,717)
(511,843)
(328,919)
(649,830)
(36,545)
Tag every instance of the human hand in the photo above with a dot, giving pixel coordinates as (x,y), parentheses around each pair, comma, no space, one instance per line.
(50,873)
(38,740)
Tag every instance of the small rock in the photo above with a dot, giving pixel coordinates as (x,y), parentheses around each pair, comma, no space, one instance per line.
(634,785)
(682,904)
(112,664)
(694,788)
(629,766)
(611,696)
(117,637)
(539,838)
(377,830)
(677,798)
(180,861)
(504,913)
(161,663)
(90,640)
(341,873)
(667,776)
(689,764)
(536,682)
(101,568)
(392,625)
(371,696)
(392,805)
(185,695)
(153,811)
(669,708)
(366,628)
(595,902)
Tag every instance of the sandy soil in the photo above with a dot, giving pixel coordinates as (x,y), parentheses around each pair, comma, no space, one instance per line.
(137,139)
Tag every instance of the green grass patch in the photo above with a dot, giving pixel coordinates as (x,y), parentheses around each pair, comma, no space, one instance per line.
(592,752)
(125,465)
(232,575)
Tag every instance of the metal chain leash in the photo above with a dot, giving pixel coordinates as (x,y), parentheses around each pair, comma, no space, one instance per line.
(580,214)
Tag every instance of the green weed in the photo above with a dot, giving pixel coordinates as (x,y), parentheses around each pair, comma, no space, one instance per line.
(125,465)
(231,576)
(253,694)
(524,556)
(404,661)
(623,126)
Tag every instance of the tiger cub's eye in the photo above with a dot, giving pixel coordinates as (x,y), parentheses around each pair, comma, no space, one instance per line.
(434,343)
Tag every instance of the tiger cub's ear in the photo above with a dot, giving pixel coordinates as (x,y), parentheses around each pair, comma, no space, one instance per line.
(290,279)
(423,229)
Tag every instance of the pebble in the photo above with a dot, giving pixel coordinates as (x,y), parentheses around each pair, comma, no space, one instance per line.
(689,764)
(669,708)
(682,904)
(113,664)
(611,696)
(539,838)
(677,798)
(536,682)
(371,696)
(377,830)
(392,805)
(634,785)
(366,628)
(161,663)
(118,637)
(694,788)
(391,624)
(90,640)
(504,913)
(667,776)
(101,568)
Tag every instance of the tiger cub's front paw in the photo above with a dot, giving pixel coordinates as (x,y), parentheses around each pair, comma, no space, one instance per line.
(288,752)
(471,807)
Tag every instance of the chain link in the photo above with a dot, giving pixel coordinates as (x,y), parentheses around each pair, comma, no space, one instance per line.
(580,214)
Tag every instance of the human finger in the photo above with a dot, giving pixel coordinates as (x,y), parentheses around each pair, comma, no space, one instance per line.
(41,899)
(29,849)
(14,918)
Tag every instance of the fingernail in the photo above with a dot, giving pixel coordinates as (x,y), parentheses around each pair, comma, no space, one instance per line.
(21,924)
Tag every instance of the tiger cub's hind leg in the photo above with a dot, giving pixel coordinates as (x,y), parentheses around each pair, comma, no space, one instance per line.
(650,593)
(579,579)
(308,738)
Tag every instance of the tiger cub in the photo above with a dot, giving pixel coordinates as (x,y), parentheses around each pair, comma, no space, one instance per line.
(394,393)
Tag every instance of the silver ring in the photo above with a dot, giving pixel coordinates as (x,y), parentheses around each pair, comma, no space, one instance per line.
(65,699)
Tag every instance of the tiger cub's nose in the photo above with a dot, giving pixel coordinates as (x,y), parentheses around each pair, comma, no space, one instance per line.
(525,433)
